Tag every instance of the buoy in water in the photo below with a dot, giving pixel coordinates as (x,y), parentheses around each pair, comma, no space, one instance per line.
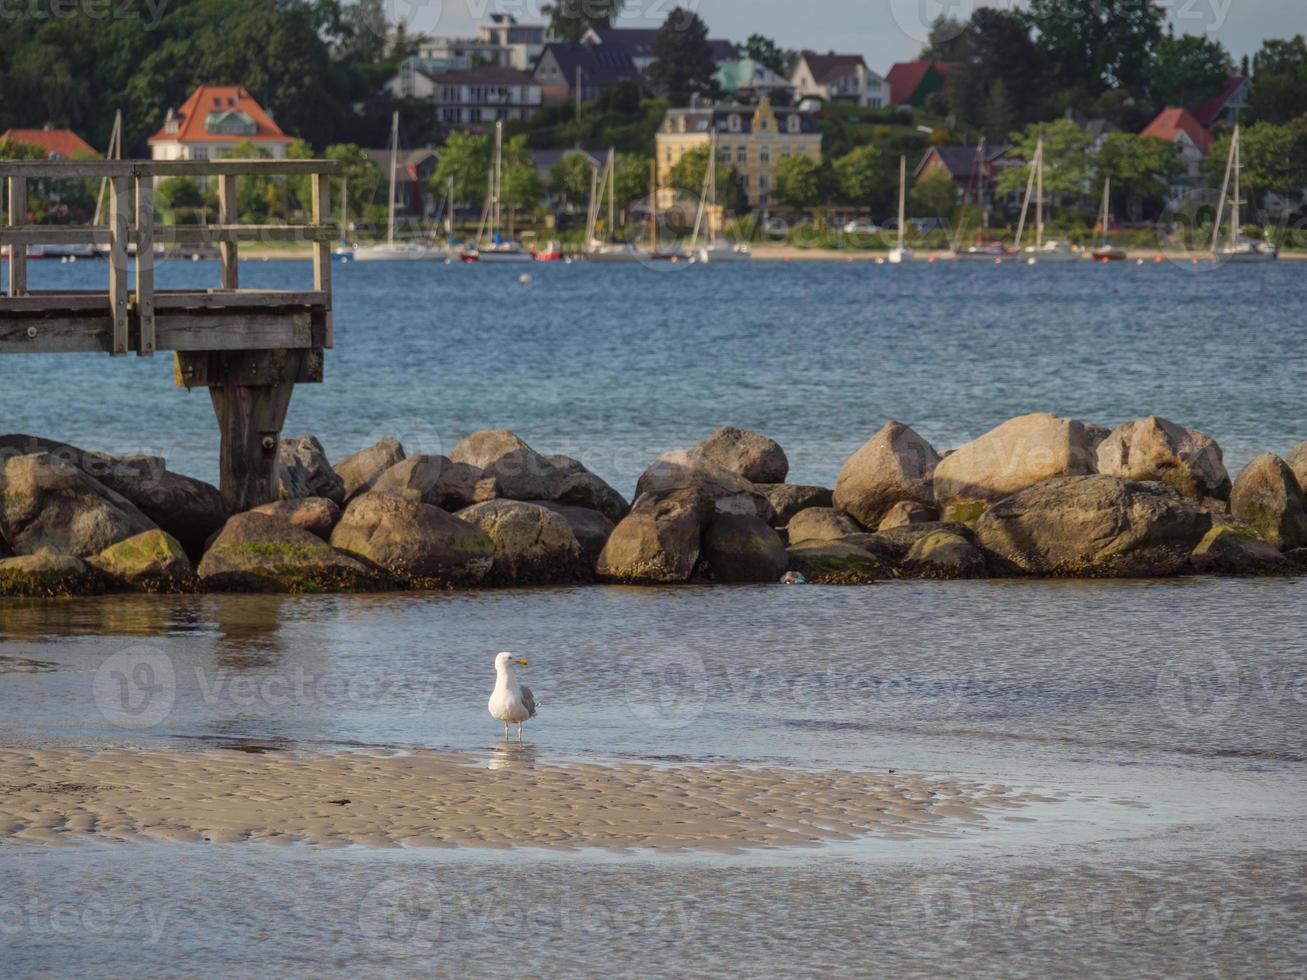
(1028,261)
(525,279)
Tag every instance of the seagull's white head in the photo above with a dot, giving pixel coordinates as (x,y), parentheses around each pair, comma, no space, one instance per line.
(505,660)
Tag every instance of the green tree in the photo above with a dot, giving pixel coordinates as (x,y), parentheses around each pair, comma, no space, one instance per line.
(863,178)
(631,182)
(683,63)
(1272,157)
(934,194)
(688,175)
(945,40)
(769,54)
(1089,46)
(797,183)
(995,85)
(1188,69)
(359,181)
(1066,160)
(466,158)
(521,187)
(1280,81)
(14,150)
(570,180)
(570,19)
(1137,166)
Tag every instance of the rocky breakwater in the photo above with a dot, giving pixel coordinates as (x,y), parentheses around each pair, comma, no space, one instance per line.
(1037,495)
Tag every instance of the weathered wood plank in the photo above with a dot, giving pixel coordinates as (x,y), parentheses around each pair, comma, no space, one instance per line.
(226,216)
(243,331)
(202,369)
(17,208)
(56,235)
(54,303)
(145,266)
(322,249)
(118,222)
(57,335)
(196,234)
(243,299)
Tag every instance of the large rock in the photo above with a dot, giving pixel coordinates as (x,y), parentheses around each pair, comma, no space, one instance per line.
(1018,454)
(188,509)
(787,499)
(1268,498)
(1297,460)
(514,470)
(259,553)
(894,544)
(48,574)
(906,512)
(418,543)
(434,480)
(944,555)
(893,465)
(658,542)
(1093,526)
(728,492)
(743,548)
(151,562)
(532,544)
(1155,449)
(754,457)
(48,504)
(590,527)
(303,471)
(820,524)
(1232,550)
(317,515)
(359,472)
(584,489)
(836,563)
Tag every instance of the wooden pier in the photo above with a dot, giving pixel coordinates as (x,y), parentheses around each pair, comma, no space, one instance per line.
(248,347)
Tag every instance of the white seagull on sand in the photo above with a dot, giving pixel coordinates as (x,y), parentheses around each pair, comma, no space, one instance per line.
(510,701)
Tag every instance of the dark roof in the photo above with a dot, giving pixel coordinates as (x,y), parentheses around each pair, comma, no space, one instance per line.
(545,159)
(639,41)
(960,161)
(826,68)
(482,75)
(697,119)
(1206,112)
(600,65)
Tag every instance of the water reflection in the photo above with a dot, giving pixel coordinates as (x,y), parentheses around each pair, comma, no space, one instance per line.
(509,755)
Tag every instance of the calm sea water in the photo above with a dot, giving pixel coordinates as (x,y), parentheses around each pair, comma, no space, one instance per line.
(1167,718)
(617,365)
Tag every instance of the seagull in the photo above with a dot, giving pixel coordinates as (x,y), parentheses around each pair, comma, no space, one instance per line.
(510,701)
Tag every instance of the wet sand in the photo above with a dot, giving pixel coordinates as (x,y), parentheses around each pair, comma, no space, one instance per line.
(426,799)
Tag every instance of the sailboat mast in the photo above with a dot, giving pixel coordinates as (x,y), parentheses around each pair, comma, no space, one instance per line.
(903,197)
(394,162)
(653,206)
(612,195)
(1039,194)
(1234,207)
(1025,204)
(499,178)
(1107,197)
(449,209)
(115,153)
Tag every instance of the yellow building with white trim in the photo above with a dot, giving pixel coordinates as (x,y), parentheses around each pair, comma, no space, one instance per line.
(752,139)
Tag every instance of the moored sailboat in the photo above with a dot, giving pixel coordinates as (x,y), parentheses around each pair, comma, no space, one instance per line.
(900,253)
(491,245)
(1238,248)
(982,250)
(391,250)
(1107,252)
(1042,251)
(715,249)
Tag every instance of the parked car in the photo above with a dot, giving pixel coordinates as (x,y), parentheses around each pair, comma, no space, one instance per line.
(860,228)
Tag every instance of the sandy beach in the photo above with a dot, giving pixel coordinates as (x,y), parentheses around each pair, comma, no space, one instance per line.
(426,799)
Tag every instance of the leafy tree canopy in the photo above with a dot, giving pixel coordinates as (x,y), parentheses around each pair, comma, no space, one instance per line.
(570,19)
(1092,45)
(767,52)
(683,63)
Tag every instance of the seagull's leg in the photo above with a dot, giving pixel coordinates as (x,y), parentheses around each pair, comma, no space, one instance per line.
(519,733)
(505,731)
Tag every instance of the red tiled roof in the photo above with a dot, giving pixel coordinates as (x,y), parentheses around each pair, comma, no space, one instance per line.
(1172,122)
(1206,112)
(57,143)
(906,77)
(828,67)
(190,118)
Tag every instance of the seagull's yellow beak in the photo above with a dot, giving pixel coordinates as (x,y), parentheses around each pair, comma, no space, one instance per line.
(522,662)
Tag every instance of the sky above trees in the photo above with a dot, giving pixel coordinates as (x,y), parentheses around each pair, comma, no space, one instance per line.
(885,31)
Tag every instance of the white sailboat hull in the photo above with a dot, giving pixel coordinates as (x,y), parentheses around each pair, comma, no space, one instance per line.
(1246,253)
(982,255)
(723,253)
(407,252)
(897,256)
(1050,253)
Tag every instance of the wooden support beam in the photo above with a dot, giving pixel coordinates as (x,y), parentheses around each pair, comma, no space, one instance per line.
(17,251)
(145,265)
(322,249)
(206,369)
(227,214)
(119,194)
(239,330)
(56,234)
(87,334)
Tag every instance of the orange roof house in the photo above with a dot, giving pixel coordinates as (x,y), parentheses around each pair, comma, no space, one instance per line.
(59,144)
(213,119)
(1179,125)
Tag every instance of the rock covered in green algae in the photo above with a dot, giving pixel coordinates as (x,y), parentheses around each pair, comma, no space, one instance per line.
(46,574)
(1267,497)
(1229,549)
(259,553)
(944,555)
(151,562)
(532,544)
(836,563)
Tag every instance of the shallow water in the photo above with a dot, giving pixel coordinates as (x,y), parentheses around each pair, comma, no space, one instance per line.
(616,365)
(1166,718)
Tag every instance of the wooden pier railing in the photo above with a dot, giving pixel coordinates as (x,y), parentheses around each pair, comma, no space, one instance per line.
(249,347)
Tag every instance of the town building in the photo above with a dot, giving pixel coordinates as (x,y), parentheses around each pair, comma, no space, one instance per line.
(59,144)
(746,80)
(752,139)
(596,69)
(639,44)
(413,172)
(911,83)
(474,97)
(969,167)
(501,42)
(213,120)
(1221,111)
(839,78)
(1192,143)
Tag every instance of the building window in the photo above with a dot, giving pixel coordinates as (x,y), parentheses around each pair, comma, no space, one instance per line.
(763,124)
(724,154)
(735,124)
(742,154)
(794,122)
(764,182)
(199,153)
(744,181)
(764,154)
